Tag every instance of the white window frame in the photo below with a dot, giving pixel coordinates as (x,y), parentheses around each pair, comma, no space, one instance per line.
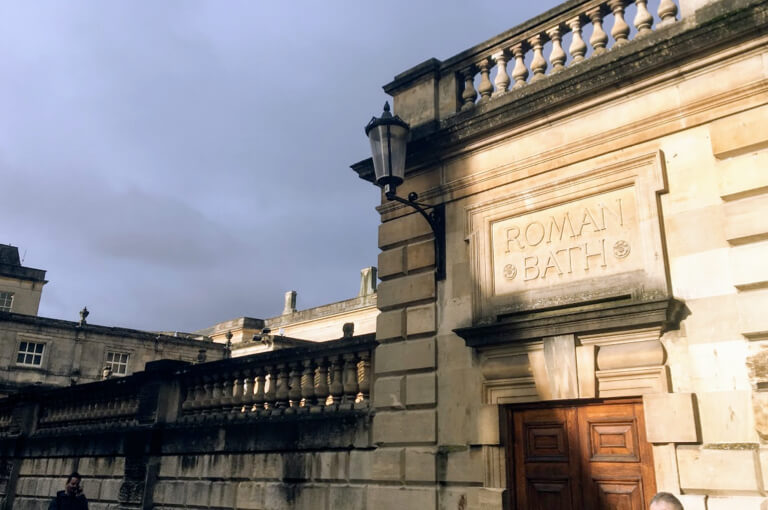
(6,301)
(118,363)
(28,350)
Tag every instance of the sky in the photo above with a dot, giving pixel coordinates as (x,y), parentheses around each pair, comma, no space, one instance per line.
(176,164)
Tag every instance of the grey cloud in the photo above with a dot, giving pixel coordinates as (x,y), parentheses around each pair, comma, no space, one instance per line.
(173,164)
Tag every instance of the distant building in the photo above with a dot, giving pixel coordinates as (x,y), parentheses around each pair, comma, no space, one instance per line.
(20,286)
(297,327)
(42,351)
(52,352)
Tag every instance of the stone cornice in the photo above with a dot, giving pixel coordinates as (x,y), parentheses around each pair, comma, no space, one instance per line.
(74,328)
(606,316)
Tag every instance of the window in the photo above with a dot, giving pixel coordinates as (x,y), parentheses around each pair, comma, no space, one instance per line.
(30,353)
(118,361)
(6,301)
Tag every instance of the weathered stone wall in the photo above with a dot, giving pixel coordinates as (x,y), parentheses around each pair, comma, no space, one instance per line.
(40,478)
(204,436)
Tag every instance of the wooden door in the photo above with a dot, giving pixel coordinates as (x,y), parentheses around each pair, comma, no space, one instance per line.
(588,456)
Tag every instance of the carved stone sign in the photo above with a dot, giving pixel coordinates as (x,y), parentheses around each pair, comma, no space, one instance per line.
(586,234)
(585,238)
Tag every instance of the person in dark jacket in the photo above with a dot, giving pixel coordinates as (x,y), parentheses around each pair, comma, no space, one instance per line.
(71,498)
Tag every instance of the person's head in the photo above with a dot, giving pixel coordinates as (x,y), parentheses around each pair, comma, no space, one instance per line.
(73,484)
(665,501)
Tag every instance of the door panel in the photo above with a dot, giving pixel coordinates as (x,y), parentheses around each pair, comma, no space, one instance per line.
(614,451)
(619,495)
(588,456)
(547,476)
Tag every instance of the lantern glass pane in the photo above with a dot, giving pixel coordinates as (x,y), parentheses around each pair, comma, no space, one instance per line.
(388,143)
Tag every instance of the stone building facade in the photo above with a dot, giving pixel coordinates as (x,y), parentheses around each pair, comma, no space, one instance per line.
(599,334)
(601,331)
(39,351)
(248,335)
(20,286)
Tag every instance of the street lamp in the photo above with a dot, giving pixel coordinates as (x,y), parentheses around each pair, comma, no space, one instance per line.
(388,135)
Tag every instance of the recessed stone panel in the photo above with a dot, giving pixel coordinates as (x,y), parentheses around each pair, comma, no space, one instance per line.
(552,244)
(569,242)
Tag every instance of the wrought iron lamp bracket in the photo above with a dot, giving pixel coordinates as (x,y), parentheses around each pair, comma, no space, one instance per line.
(436,220)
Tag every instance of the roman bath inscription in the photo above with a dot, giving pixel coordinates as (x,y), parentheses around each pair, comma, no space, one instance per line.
(587,238)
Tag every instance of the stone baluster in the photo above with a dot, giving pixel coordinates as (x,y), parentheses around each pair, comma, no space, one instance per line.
(270,395)
(599,38)
(321,386)
(109,407)
(519,72)
(336,387)
(351,388)
(620,30)
(364,377)
(216,393)
(578,47)
(98,410)
(281,394)
(667,12)
(485,88)
(259,391)
(226,385)
(307,384)
(236,399)
(246,399)
(294,387)
(189,395)
(133,407)
(88,411)
(469,94)
(199,394)
(207,399)
(502,78)
(643,18)
(113,407)
(539,63)
(557,57)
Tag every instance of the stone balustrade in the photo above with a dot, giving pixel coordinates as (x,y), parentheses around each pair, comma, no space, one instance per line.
(562,42)
(320,379)
(108,404)
(323,378)
(520,58)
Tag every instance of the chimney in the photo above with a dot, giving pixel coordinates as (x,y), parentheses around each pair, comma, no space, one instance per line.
(290,302)
(367,281)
